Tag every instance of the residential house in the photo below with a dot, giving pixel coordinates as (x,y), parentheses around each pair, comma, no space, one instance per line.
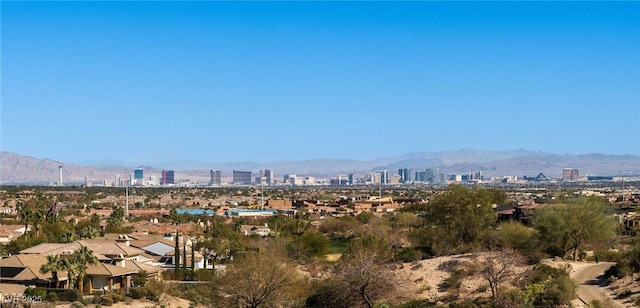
(107,277)
(255,230)
(25,270)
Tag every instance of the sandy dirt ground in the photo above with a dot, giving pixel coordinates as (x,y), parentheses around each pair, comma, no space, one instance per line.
(168,302)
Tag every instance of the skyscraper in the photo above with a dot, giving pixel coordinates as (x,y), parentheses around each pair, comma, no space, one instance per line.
(569,174)
(384,177)
(241,177)
(268,174)
(216,178)
(432,175)
(168,177)
(265,177)
(138,175)
(60,183)
(405,175)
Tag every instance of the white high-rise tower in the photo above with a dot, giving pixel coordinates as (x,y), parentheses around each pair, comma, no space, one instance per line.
(60,176)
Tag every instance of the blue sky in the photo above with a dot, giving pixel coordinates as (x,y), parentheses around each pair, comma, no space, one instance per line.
(264,81)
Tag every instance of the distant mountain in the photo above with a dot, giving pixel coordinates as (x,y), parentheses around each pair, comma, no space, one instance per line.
(16,168)
(19,168)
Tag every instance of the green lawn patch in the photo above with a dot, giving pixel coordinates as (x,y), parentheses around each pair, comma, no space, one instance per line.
(337,246)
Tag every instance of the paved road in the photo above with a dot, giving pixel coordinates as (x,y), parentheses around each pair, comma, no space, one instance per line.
(588,285)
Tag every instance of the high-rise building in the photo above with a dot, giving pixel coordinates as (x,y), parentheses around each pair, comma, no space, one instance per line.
(569,174)
(269,178)
(432,175)
(241,177)
(384,177)
(168,177)
(405,175)
(116,181)
(138,174)
(216,178)
(374,178)
(265,177)
(351,179)
(60,183)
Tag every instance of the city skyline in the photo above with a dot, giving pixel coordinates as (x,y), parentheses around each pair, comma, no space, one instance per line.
(261,82)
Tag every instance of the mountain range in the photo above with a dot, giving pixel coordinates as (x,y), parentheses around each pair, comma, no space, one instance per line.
(17,168)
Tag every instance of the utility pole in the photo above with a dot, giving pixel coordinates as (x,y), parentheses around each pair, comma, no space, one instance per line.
(380,192)
(126,202)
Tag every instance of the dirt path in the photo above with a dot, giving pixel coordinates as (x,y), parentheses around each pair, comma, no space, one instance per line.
(589,285)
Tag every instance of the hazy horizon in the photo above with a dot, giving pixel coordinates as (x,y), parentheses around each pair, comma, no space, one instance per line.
(162,164)
(294,81)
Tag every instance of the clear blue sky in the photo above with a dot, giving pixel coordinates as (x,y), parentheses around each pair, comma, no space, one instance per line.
(256,81)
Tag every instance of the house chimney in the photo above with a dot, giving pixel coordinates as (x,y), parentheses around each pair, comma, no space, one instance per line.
(123,239)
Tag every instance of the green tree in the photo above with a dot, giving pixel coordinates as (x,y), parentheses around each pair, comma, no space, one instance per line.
(95,219)
(309,245)
(456,219)
(174,217)
(68,236)
(37,219)
(116,218)
(365,217)
(516,236)
(568,227)
(24,216)
(72,268)
(176,256)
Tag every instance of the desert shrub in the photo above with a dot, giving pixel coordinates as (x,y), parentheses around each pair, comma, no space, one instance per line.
(106,300)
(52,297)
(542,273)
(418,303)
(607,255)
(328,293)
(453,282)
(68,295)
(36,292)
(621,269)
(140,279)
(558,291)
(155,289)
(204,275)
(138,292)
(408,254)
(77,304)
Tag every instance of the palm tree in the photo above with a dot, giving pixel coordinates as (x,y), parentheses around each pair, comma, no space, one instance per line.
(37,218)
(68,236)
(82,257)
(52,266)
(24,214)
(71,267)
